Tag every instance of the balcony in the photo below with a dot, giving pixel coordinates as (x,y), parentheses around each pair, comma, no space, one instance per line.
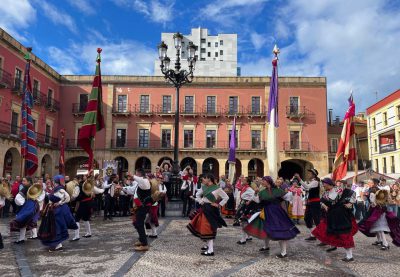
(191,111)
(387,148)
(211,111)
(295,112)
(9,131)
(72,144)
(52,105)
(135,144)
(5,79)
(78,109)
(18,86)
(46,141)
(161,110)
(255,111)
(121,110)
(296,146)
(143,110)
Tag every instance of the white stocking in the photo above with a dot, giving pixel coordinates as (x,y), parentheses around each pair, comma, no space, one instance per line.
(349,253)
(76,232)
(210,244)
(87,226)
(384,241)
(34,233)
(153,229)
(310,230)
(22,233)
(378,236)
(283,245)
(266,242)
(58,246)
(244,236)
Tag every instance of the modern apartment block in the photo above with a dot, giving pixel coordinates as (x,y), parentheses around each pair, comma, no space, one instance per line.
(384,134)
(216,55)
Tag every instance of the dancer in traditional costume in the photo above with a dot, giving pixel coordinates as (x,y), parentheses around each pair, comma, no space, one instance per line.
(380,221)
(229,209)
(312,214)
(272,223)
(246,209)
(205,224)
(5,193)
(83,194)
(57,214)
(338,225)
(26,219)
(152,217)
(296,209)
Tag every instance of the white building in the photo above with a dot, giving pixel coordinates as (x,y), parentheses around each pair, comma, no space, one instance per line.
(216,55)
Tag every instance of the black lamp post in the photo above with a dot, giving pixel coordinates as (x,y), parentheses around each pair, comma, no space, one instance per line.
(177,77)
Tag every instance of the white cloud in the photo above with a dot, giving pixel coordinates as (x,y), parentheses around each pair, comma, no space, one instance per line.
(84,6)
(258,40)
(355,44)
(155,10)
(16,15)
(57,17)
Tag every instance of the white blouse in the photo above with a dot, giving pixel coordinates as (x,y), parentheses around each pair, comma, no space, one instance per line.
(218,193)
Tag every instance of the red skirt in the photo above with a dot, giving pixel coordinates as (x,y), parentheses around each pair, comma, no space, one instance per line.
(337,240)
(201,228)
(225,211)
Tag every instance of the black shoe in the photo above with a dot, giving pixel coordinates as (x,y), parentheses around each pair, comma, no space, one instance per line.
(19,242)
(321,244)
(377,243)
(87,236)
(33,238)
(56,249)
(204,248)
(280,256)
(384,248)
(264,249)
(331,249)
(207,254)
(74,239)
(1,242)
(236,224)
(348,260)
(105,218)
(241,242)
(248,239)
(153,237)
(311,238)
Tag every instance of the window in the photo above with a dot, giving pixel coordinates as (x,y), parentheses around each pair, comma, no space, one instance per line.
(236,137)
(211,138)
(376,165)
(373,124)
(384,165)
(144,103)
(216,54)
(143,138)
(122,103)
(188,138)
(331,162)
(294,105)
(47,134)
(202,50)
(208,54)
(398,112)
(221,52)
(50,98)
(203,40)
(384,118)
(18,79)
(211,104)
(35,91)
(166,106)
(34,124)
(295,140)
(121,138)
(392,164)
(221,42)
(375,145)
(233,104)
(216,44)
(256,139)
(255,105)
(189,100)
(202,59)
(166,138)
(334,145)
(14,123)
(83,101)
(209,44)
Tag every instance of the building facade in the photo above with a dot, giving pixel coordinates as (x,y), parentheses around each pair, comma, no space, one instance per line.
(139,120)
(384,134)
(216,55)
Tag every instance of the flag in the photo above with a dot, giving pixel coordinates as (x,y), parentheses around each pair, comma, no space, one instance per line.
(232,153)
(93,120)
(272,117)
(347,146)
(61,163)
(28,135)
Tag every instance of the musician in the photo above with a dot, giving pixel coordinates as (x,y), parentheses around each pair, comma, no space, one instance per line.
(163,189)
(187,189)
(109,189)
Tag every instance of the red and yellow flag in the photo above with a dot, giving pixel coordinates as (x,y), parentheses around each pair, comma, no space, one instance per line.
(347,146)
(93,120)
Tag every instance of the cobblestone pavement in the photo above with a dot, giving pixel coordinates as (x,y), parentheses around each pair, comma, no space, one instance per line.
(177,253)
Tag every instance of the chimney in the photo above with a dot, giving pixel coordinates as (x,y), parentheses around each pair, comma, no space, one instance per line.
(330,117)
(337,121)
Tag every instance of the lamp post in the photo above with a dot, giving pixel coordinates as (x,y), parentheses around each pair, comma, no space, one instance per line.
(177,77)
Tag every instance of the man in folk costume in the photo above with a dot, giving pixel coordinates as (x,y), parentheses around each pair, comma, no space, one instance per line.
(143,202)
(152,216)
(83,194)
(246,208)
(187,190)
(205,224)
(338,225)
(28,199)
(59,211)
(313,207)
(109,190)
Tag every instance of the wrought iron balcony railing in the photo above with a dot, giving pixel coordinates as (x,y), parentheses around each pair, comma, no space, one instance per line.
(296,146)
(5,79)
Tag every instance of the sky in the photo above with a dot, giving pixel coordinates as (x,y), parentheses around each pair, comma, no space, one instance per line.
(355,44)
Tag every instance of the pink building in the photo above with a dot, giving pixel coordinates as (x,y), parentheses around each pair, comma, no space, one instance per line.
(139,116)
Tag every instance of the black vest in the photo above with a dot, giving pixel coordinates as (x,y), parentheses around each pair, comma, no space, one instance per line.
(313,193)
(144,195)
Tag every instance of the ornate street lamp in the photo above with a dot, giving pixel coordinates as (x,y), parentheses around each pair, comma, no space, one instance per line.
(177,77)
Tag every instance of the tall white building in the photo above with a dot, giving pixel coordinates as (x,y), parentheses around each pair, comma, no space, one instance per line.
(216,55)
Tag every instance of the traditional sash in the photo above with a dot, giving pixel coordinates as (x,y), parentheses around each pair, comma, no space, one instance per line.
(207,192)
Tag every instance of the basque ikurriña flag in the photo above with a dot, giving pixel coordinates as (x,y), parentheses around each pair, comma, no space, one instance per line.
(93,120)
(347,146)
(28,135)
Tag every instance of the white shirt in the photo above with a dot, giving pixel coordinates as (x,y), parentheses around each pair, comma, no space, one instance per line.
(162,188)
(2,201)
(360,194)
(248,194)
(385,187)
(310,185)
(63,195)
(217,193)
(143,183)
(131,189)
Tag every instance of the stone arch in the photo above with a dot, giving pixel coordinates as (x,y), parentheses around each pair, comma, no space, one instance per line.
(122,166)
(79,162)
(256,168)
(46,165)
(12,162)
(145,163)
(211,165)
(160,161)
(189,161)
(292,166)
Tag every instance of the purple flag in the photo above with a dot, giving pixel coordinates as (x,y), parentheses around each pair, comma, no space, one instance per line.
(232,143)
(273,94)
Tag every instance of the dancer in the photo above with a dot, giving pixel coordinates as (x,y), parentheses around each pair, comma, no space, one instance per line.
(229,209)
(84,202)
(205,224)
(296,210)
(313,207)
(4,194)
(245,210)
(338,226)
(59,212)
(272,223)
(152,216)
(380,221)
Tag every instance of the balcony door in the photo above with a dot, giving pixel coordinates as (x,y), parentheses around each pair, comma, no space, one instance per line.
(294,104)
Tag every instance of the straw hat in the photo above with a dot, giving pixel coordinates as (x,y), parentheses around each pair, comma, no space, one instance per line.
(88,187)
(382,197)
(70,187)
(34,191)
